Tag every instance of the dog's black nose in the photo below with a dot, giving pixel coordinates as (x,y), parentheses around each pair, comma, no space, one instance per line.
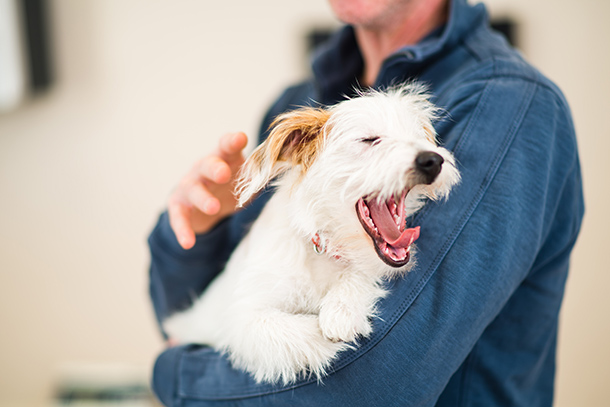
(428,165)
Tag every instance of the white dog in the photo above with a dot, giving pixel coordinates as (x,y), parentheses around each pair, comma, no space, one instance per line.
(303,284)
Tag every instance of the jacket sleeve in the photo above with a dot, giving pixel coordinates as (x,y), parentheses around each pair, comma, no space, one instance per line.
(496,252)
(178,276)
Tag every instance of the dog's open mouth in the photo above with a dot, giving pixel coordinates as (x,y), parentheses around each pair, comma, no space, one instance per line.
(385,223)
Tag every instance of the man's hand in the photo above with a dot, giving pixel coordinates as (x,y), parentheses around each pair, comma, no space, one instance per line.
(204,195)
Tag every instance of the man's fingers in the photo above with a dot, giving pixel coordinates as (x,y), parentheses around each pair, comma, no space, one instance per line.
(214,169)
(218,167)
(193,208)
(179,221)
(232,145)
(201,198)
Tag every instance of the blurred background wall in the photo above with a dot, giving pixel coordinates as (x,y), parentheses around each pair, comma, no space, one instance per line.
(143,88)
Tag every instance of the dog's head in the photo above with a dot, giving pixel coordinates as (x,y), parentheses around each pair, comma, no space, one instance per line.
(356,171)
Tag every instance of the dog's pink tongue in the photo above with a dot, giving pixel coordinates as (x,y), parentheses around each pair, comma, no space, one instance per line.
(407,237)
(387,227)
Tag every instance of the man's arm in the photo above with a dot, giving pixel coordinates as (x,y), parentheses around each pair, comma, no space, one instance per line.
(178,275)
(510,224)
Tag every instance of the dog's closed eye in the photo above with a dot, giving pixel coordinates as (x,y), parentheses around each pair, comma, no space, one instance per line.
(371,140)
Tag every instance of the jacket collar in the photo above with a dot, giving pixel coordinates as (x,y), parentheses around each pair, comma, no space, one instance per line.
(338,64)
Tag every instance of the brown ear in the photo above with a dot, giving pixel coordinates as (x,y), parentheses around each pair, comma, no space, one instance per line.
(297,136)
(296,139)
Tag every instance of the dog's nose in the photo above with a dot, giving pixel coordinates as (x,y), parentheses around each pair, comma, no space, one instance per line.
(428,165)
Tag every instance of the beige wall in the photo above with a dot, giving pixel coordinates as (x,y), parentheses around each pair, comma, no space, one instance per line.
(144,88)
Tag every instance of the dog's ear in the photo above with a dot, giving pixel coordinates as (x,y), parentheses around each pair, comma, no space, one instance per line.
(295,140)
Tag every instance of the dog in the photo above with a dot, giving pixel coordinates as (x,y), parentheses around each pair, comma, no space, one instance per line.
(303,284)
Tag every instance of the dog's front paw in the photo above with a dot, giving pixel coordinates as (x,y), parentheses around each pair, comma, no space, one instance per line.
(340,323)
(282,347)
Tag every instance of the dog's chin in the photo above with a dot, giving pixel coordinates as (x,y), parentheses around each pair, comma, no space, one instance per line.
(385,223)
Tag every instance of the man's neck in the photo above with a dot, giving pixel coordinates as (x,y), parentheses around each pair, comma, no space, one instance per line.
(378,43)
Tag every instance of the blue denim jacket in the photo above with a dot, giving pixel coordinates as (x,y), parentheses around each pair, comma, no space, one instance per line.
(475,323)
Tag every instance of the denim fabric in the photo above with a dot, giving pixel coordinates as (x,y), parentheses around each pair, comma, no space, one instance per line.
(475,323)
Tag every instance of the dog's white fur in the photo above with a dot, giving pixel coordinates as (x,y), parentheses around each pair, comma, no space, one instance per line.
(280,310)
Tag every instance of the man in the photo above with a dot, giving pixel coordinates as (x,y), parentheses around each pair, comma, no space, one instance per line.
(475,323)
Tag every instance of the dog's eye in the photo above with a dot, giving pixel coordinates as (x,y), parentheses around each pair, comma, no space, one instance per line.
(371,140)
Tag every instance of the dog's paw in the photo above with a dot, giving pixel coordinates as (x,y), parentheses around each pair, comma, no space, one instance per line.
(283,348)
(340,323)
